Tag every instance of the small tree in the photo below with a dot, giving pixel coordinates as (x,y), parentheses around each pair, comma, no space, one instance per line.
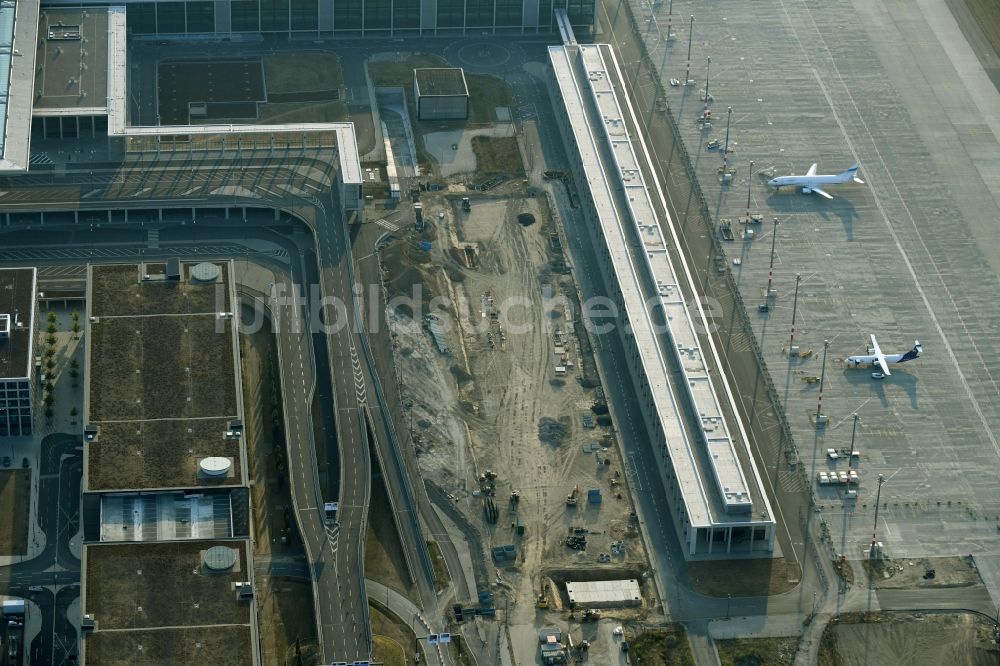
(52,317)
(50,340)
(50,352)
(73,365)
(73,412)
(51,328)
(49,413)
(49,364)
(76,330)
(75,316)
(50,387)
(48,400)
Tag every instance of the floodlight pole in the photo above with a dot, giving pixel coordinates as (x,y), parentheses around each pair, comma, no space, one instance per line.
(670,15)
(708,67)
(854,431)
(878,498)
(795,307)
(770,271)
(687,72)
(749,183)
(822,379)
(725,150)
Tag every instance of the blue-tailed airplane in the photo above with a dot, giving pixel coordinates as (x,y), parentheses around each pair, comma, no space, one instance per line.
(883,360)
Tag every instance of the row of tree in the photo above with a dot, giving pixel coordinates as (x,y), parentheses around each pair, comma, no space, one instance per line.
(48,398)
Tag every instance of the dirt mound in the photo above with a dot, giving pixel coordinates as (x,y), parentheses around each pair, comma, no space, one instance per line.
(908,638)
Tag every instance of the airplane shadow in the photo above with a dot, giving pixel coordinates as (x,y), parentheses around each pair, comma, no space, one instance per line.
(858,377)
(790,202)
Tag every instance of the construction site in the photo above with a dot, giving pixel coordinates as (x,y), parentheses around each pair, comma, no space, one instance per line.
(506,406)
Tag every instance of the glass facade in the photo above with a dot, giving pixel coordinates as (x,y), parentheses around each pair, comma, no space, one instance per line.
(141,18)
(347,15)
(355,16)
(478,13)
(274,16)
(170,17)
(305,14)
(245,15)
(509,13)
(15,408)
(378,14)
(406,14)
(451,13)
(200,16)
(580,12)
(545,19)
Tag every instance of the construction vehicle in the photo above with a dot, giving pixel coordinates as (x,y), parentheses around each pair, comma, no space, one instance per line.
(591,615)
(515,498)
(466,204)
(542,601)
(572,497)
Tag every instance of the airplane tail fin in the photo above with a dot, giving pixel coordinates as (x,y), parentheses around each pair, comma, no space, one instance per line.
(853,173)
(913,353)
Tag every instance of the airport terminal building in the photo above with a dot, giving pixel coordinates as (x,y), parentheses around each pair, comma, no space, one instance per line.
(167,564)
(713,488)
(329,18)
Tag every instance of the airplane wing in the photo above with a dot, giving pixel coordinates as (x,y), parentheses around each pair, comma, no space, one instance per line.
(812,170)
(821,192)
(879,356)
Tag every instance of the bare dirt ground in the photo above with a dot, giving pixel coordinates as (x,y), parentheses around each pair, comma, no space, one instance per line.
(496,401)
(909,638)
(909,573)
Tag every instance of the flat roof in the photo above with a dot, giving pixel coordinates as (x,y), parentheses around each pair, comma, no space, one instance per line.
(727,474)
(72,73)
(162,378)
(118,290)
(611,592)
(128,455)
(633,219)
(133,587)
(17,305)
(118,125)
(18,35)
(440,82)
(166,516)
(164,647)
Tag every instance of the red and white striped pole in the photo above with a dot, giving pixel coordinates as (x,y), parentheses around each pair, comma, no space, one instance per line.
(770,270)
(878,498)
(795,308)
(822,379)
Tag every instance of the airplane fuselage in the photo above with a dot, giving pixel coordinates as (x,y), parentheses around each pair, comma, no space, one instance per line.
(809,182)
(865,360)
(813,182)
